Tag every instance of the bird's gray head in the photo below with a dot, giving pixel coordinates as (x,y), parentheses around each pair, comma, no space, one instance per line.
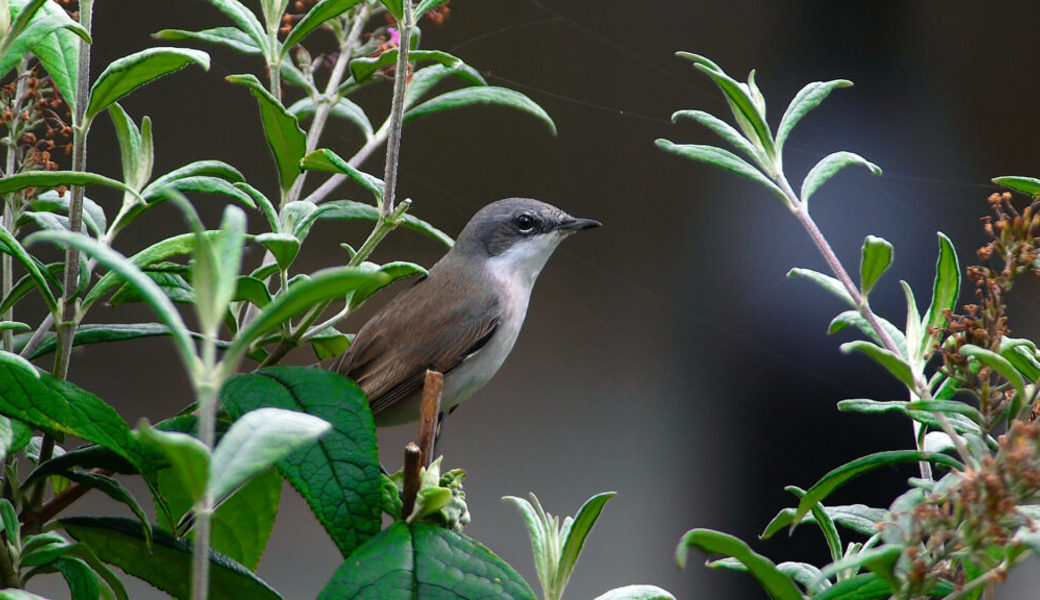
(517,235)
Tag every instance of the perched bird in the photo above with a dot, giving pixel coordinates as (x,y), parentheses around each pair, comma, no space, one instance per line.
(463,318)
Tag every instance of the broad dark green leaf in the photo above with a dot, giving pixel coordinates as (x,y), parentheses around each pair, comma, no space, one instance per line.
(395,7)
(866,586)
(315,17)
(425,6)
(51,179)
(1025,185)
(480,96)
(724,159)
(351,210)
(34,24)
(126,74)
(421,561)
(775,583)
(48,403)
(251,289)
(167,563)
(329,343)
(59,56)
(808,98)
(83,583)
(339,475)
(875,258)
(850,470)
(231,37)
(114,490)
(283,246)
(329,161)
(425,78)
(746,110)
(364,67)
(829,166)
(287,141)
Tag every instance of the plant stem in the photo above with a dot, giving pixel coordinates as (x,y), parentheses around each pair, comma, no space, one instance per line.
(13,133)
(377,140)
(8,574)
(207,385)
(393,146)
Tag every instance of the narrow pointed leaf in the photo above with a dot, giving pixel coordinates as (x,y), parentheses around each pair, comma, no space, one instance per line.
(542,545)
(893,363)
(59,55)
(880,561)
(483,96)
(808,98)
(231,37)
(126,74)
(50,179)
(724,130)
(875,258)
(244,19)
(572,544)
(996,362)
(38,277)
(214,168)
(339,475)
(824,521)
(419,561)
(723,159)
(329,161)
(425,6)
(365,67)
(829,166)
(114,490)
(1025,185)
(166,564)
(945,290)
(315,17)
(344,109)
(827,282)
(853,318)
(126,269)
(775,583)
(843,474)
(351,210)
(425,78)
(287,141)
(189,457)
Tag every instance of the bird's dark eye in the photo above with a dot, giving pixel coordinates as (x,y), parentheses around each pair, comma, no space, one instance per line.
(524,223)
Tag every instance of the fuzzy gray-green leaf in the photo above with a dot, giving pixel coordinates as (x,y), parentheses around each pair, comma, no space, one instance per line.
(808,98)
(875,258)
(829,166)
(723,159)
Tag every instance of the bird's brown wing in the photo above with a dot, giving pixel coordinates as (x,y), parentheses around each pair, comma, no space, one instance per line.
(390,355)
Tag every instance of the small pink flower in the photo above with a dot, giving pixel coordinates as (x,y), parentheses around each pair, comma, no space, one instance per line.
(395,36)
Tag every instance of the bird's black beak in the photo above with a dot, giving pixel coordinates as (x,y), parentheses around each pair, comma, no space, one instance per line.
(569,223)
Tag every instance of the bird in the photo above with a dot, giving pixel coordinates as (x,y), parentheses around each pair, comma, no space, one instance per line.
(463,318)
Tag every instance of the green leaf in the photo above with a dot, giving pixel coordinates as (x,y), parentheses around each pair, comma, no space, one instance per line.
(854,319)
(393,270)
(545,543)
(16,250)
(417,560)
(880,561)
(344,108)
(866,586)
(215,270)
(327,160)
(364,67)
(351,210)
(17,594)
(231,37)
(283,246)
(808,98)
(93,215)
(176,245)
(425,6)
(114,490)
(724,159)
(724,130)
(287,141)
(829,166)
(875,258)
(1022,354)
(59,56)
(189,457)
(636,592)
(339,475)
(329,343)
(48,403)
(126,74)
(395,8)
(744,101)
(126,269)
(35,23)
(775,583)
(573,537)
(166,564)
(893,363)
(203,184)
(244,18)
(315,17)
(827,282)
(251,289)
(50,179)
(843,474)
(257,440)
(945,291)
(215,168)
(83,583)
(996,362)
(480,95)
(424,79)
(135,151)
(1025,185)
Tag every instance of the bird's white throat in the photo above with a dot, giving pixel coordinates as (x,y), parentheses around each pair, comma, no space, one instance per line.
(520,265)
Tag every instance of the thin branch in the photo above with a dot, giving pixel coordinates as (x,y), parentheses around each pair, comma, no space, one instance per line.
(393,146)
(429,412)
(412,464)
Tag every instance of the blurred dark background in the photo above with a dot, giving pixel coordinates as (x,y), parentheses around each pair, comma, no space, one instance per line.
(665,355)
